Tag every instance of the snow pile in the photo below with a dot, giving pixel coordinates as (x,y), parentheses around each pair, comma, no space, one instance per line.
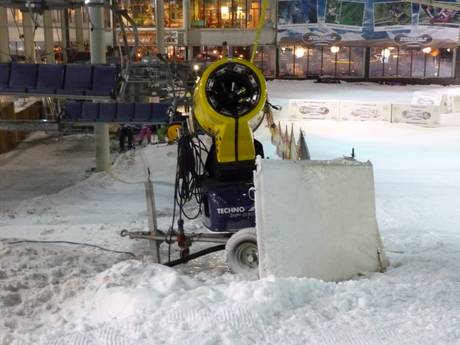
(139,303)
(36,280)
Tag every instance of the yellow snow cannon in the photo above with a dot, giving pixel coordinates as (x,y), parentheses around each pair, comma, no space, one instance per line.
(228,104)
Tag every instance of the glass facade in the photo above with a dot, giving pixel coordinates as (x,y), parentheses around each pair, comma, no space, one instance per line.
(143,12)
(174,16)
(242,14)
(265,59)
(301,62)
(284,59)
(411,63)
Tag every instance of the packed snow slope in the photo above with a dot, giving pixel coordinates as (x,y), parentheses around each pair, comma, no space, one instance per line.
(61,294)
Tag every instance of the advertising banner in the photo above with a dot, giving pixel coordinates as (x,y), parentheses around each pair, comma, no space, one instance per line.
(303,109)
(427,115)
(426,98)
(366,22)
(365,111)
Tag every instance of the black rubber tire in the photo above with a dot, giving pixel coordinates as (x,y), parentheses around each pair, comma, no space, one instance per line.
(242,254)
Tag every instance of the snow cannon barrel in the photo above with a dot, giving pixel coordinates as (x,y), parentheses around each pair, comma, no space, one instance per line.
(228,105)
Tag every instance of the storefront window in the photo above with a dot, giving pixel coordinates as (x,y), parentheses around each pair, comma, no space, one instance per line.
(286,61)
(329,62)
(404,62)
(390,62)
(254,8)
(432,63)
(211,12)
(197,9)
(418,63)
(141,11)
(301,62)
(314,66)
(241,52)
(175,53)
(268,56)
(424,62)
(226,13)
(14,16)
(356,62)
(239,19)
(376,62)
(343,62)
(446,60)
(208,53)
(173,13)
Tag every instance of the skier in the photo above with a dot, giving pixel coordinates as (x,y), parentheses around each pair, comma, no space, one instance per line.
(125,131)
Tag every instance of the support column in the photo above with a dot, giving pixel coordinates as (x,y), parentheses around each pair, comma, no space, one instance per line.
(65,35)
(367,54)
(4,36)
(160,25)
(79,30)
(97,49)
(48,34)
(186,11)
(189,52)
(28,33)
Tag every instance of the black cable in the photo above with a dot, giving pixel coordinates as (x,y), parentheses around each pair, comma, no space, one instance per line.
(74,243)
(189,171)
(202,252)
(190,168)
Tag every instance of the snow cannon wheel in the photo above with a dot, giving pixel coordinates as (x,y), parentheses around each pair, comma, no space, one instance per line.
(241,253)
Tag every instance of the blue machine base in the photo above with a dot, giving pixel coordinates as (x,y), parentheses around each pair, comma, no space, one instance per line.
(227,206)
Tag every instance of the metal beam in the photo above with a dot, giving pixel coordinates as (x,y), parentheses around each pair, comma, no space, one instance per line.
(29,125)
(160,25)
(28,33)
(38,6)
(49,39)
(79,29)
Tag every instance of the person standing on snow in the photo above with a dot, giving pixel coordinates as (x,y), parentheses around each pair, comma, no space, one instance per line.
(124,132)
(145,132)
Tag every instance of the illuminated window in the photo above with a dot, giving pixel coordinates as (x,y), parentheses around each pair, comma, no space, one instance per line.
(315,61)
(15,16)
(265,59)
(173,13)
(141,11)
(356,62)
(286,61)
(226,13)
(343,61)
(411,63)
(418,63)
(301,62)
(446,60)
(404,62)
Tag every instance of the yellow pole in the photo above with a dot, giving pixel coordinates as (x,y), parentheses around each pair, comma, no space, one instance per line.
(259,28)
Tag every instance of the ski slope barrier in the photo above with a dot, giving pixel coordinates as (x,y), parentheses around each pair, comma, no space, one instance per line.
(427,115)
(424,110)
(318,220)
(365,111)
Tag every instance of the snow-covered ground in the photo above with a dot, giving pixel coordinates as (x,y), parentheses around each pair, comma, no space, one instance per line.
(63,294)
